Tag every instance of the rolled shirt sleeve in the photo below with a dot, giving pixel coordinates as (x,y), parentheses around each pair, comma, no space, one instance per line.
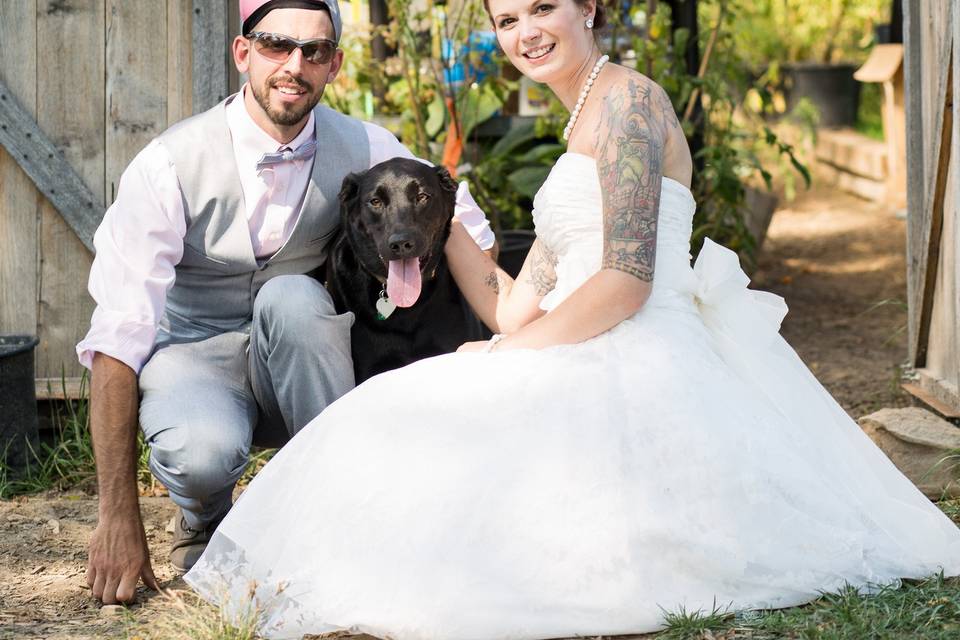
(384,145)
(137,246)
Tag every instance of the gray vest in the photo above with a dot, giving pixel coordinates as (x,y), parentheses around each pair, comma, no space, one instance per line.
(218,277)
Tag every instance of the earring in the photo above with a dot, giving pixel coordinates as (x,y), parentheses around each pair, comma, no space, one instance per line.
(589,23)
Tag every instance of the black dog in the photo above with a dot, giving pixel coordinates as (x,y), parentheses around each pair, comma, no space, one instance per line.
(387,266)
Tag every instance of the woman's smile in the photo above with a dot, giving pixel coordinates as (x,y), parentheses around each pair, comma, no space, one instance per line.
(537,55)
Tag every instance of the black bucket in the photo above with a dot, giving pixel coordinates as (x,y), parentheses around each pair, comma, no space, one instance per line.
(830,87)
(18,401)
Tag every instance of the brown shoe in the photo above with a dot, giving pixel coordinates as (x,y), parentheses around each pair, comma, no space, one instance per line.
(188,544)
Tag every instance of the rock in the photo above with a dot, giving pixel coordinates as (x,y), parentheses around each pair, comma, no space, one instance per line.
(108,610)
(54,526)
(924,446)
(172,525)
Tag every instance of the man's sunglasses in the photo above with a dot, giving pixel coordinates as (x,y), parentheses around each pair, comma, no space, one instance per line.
(277,47)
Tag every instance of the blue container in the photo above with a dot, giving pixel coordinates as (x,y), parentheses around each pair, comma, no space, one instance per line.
(456,58)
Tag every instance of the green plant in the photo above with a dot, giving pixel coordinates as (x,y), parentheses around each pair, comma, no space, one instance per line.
(505,176)
(725,104)
(806,30)
(869,116)
(440,80)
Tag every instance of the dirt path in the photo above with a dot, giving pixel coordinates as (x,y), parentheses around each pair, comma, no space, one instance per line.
(840,264)
(830,255)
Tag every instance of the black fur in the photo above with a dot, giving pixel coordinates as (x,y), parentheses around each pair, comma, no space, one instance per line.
(412,204)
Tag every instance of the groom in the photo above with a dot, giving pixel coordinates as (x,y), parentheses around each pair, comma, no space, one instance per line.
(206,322)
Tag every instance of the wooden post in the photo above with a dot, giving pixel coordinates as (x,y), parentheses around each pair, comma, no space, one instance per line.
(884,66)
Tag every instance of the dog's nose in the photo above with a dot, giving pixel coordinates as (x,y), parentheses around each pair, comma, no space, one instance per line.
(402,245)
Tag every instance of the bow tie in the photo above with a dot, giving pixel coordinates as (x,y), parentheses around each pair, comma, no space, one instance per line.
(303,152)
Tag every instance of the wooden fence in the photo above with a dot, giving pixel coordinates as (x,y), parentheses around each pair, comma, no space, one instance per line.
(84,85)
(932,58)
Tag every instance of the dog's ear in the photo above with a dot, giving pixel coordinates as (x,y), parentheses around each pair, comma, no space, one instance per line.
(349,189)
(447,183)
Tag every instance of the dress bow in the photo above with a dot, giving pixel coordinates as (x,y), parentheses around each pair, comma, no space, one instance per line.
(737,316)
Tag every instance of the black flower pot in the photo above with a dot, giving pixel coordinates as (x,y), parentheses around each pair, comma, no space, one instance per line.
(18,401)
(830,87)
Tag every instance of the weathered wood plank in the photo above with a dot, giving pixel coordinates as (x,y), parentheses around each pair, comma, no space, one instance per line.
(913,87)
(70,109)
(954,192)
(941,343)
(935,392)
(61,388)
(49,170)
(933,213)
(18,197)
(233,29)
(179,60)
(210,78)
(135,100)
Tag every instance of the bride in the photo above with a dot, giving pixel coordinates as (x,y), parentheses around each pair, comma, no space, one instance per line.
(636,438)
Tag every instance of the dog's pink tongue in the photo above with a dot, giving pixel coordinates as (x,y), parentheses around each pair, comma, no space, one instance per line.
(403,281)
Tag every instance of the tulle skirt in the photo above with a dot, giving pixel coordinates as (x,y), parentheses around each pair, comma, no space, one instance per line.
(679,459)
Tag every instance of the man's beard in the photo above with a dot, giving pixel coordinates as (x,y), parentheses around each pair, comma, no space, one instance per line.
(285,117)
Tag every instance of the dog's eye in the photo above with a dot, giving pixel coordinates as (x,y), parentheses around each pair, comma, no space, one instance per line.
(375,202)
(422,197)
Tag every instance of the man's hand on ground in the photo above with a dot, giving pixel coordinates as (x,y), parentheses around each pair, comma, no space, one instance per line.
(118,558)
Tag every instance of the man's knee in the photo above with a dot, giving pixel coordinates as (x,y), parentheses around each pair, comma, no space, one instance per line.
(297,307)
(196,463)
(292,294)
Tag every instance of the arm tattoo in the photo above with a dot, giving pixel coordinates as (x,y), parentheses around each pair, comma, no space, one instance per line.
(542,275)
(630,165)
(493,281)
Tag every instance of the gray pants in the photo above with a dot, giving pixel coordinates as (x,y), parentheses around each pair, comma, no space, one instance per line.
(204,403)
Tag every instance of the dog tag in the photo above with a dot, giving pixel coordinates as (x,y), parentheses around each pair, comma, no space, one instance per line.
(385,306)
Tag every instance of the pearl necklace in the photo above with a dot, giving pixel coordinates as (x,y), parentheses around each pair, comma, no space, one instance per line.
(583,96)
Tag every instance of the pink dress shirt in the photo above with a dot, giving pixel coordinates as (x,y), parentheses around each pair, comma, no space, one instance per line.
(140,240)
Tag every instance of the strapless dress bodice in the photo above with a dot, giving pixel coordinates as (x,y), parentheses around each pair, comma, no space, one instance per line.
(568,217)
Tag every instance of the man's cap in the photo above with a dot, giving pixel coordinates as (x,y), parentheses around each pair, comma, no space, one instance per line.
(252,11)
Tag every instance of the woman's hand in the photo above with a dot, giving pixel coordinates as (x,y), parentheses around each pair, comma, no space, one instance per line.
(478,346)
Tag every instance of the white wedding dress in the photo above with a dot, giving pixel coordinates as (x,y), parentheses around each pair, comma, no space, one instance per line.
(685,457)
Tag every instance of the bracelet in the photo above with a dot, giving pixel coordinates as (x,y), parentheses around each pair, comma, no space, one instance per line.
(497,337)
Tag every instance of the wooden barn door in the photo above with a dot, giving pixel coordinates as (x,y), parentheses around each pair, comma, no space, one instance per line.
(84,86)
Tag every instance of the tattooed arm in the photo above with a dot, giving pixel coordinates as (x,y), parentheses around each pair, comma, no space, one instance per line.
(630,166)
(504,304)
(629,151)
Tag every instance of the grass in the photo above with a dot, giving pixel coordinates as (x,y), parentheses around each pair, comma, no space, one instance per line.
(919,609)
(66,463)
(185,616)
